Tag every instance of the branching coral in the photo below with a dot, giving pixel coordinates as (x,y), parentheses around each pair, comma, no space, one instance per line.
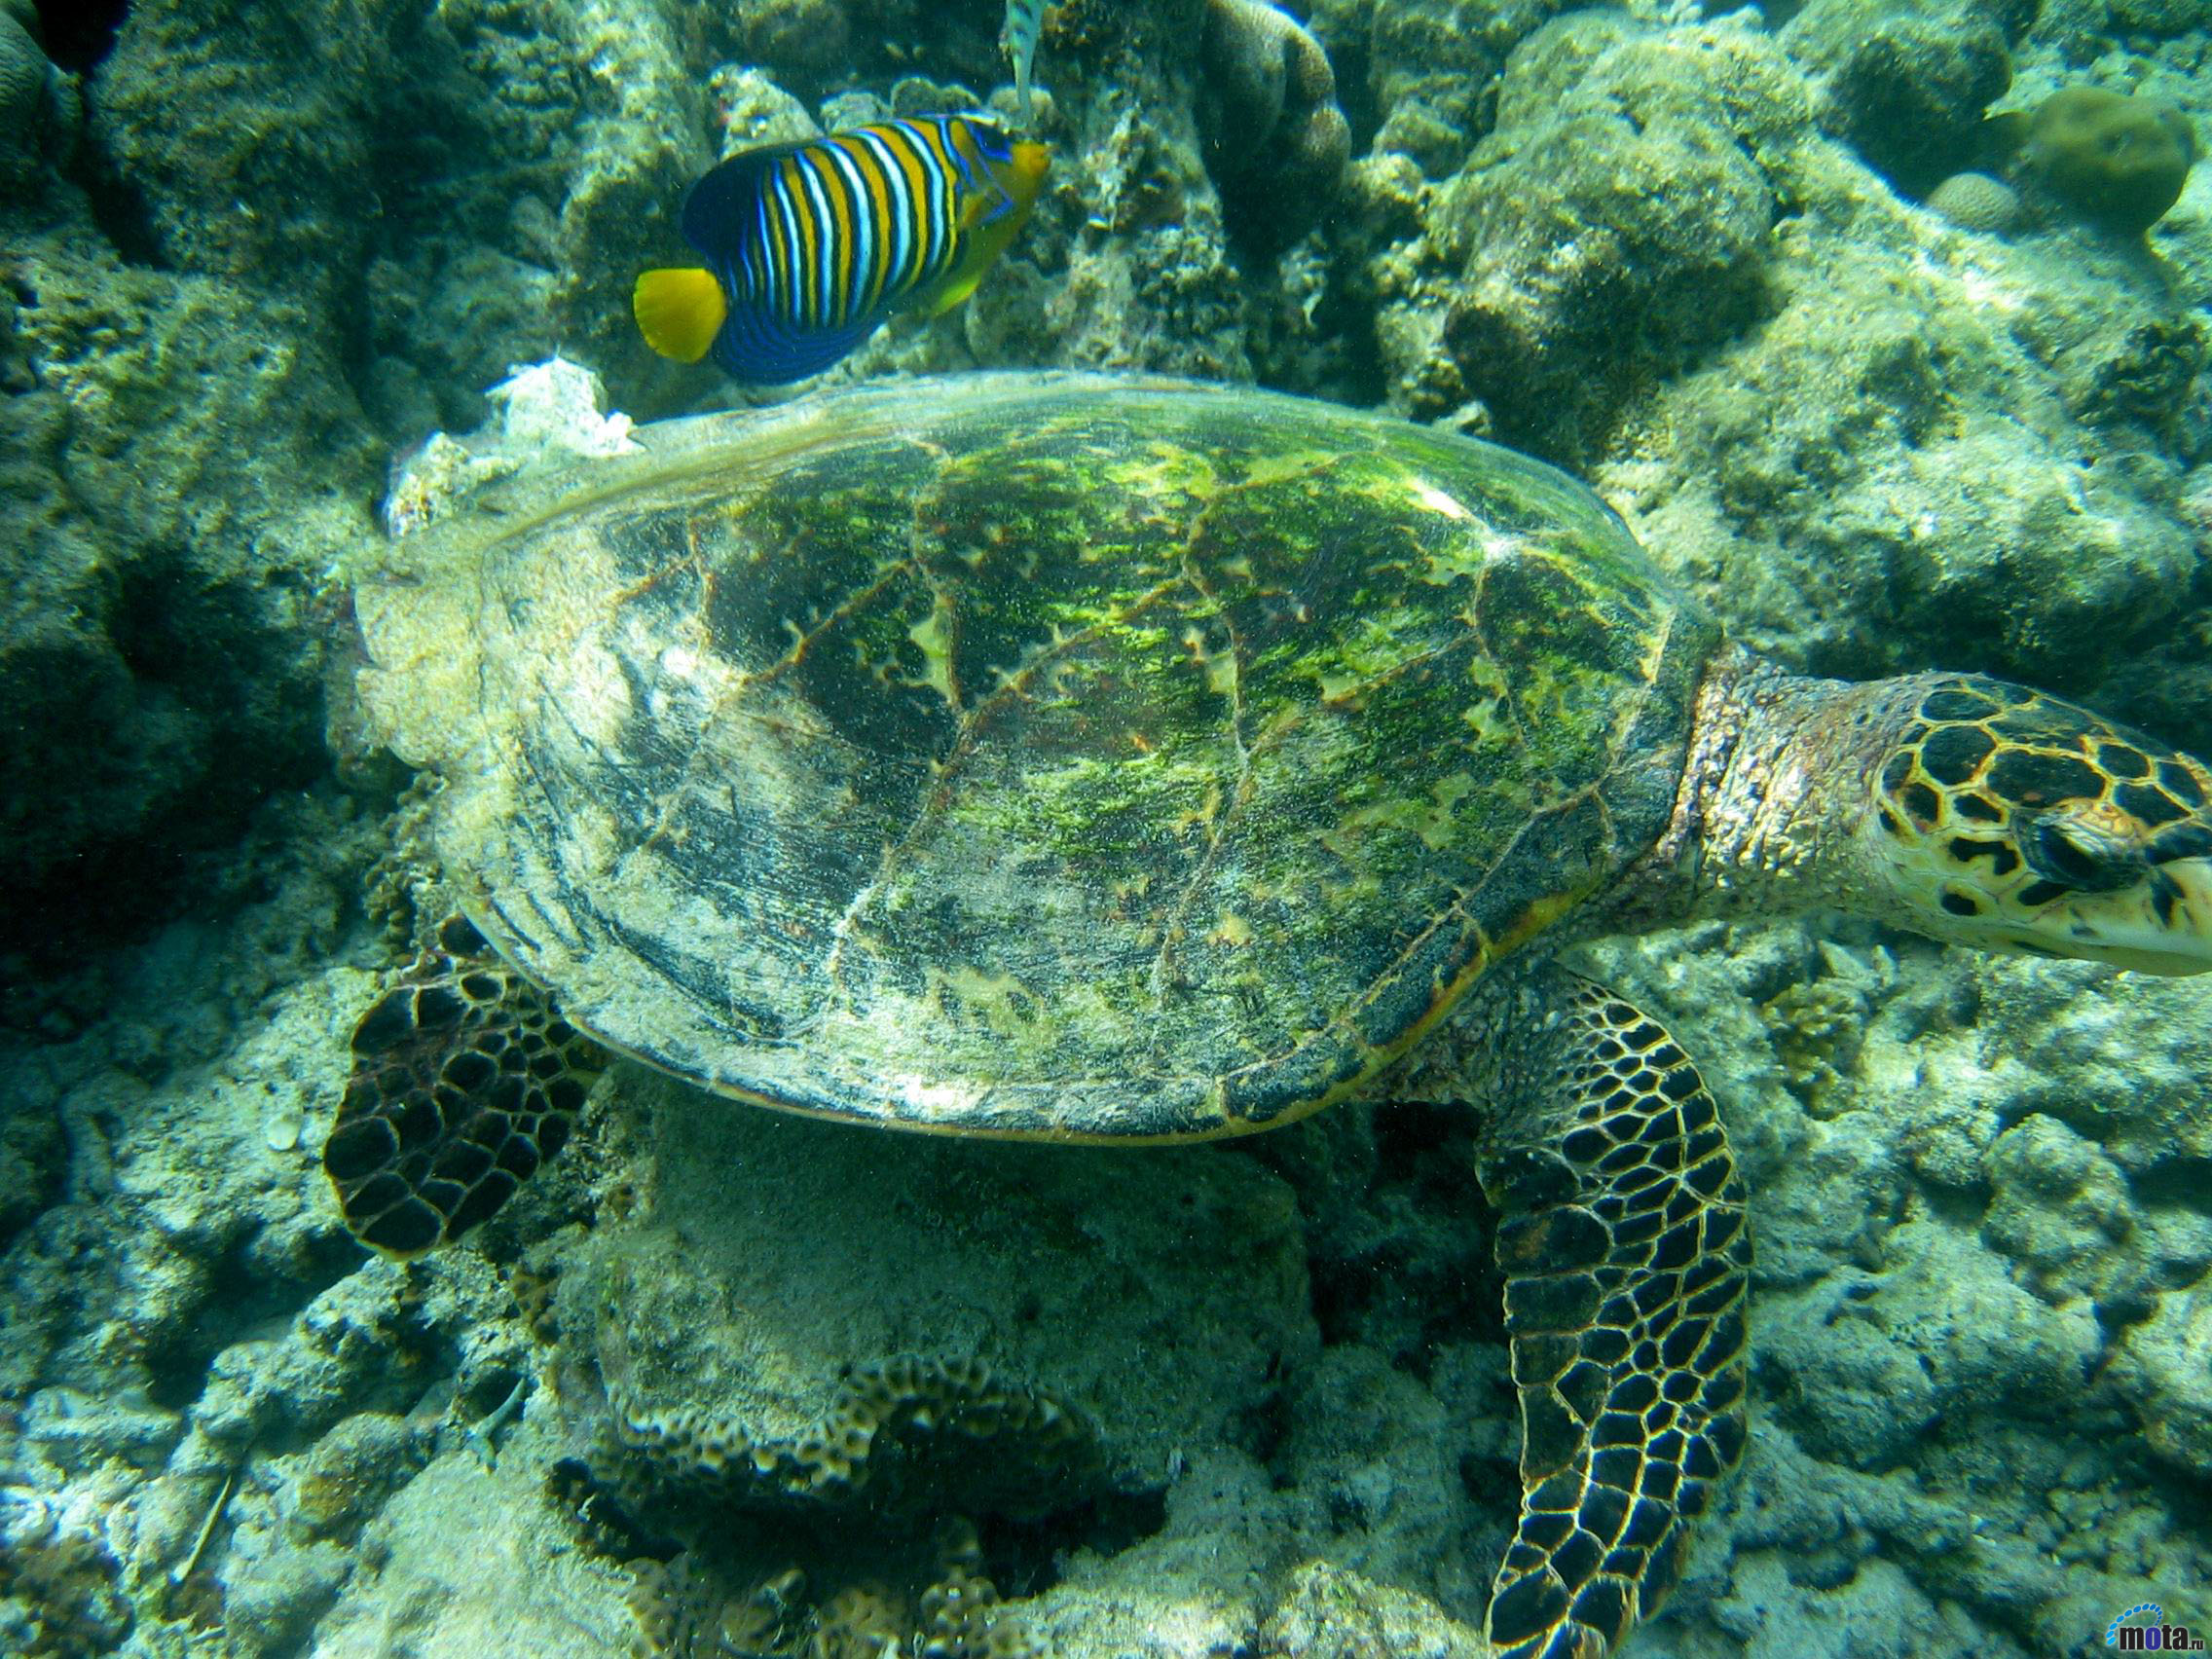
(1817,1027)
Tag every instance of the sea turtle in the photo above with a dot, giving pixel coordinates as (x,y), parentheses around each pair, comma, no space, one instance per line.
(1104,760)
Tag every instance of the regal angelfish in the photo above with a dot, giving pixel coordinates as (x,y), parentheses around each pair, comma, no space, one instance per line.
(811,247)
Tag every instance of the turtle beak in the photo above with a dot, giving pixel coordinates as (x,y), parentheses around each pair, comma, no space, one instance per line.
(2159,925)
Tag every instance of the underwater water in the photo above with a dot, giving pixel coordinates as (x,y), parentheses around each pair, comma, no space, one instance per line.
(1129,763)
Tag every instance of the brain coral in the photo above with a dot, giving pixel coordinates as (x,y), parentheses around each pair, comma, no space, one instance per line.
(1976,201)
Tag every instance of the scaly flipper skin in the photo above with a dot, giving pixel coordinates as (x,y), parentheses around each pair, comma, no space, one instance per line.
(1626,1261)
(465,1077)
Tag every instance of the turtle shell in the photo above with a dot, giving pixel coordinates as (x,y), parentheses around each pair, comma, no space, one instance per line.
(1032,753)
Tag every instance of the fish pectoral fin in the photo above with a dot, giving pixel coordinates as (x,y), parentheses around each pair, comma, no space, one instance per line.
(978,207)
(981,249)
(956,286)
(679,312)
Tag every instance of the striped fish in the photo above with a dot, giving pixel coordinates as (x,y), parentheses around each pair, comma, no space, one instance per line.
(1018,39)
(809,247)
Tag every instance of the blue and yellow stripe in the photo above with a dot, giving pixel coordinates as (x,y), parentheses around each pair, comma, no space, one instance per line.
(811,247)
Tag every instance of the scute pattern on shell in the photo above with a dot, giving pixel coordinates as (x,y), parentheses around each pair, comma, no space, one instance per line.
(1036,755)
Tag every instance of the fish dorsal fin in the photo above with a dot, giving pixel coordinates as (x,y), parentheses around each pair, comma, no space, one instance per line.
(723,206)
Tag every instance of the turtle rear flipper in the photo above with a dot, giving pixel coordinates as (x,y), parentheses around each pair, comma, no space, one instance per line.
(1626,1262)
(465,1077)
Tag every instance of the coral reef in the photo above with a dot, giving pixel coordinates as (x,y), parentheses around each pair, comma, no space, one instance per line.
(961,1615)
(1431,67)
(1816,1026)
(681,1610)
(23,76)
(1327,1612)
(156,1346)
(277,247)
(595,126)
(1275,141)
(1148,277)
(1948,1295)
(1959,461)
(1652,148)
(1954,464)
(734,1390)
(58,1597)
(1907,86)
(245,134)
(1579,344)
(2119,162)
(160,645)
(677,1327)
(749,109)
(1976,201)
(934,1431)
(685,1609)
(2146,383)
(2160,1369)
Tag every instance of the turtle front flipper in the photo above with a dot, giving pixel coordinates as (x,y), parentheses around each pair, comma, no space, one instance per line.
(465,1077)
(1626,1262)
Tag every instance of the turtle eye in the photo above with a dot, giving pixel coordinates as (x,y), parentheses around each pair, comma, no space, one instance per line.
(2068,856)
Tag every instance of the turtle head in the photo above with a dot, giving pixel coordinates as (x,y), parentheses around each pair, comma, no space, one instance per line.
(2016,821)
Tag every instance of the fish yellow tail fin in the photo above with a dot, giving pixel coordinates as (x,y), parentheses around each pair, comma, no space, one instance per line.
(679,312)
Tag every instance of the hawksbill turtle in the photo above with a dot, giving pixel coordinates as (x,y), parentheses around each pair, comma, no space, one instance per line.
(1115,760)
